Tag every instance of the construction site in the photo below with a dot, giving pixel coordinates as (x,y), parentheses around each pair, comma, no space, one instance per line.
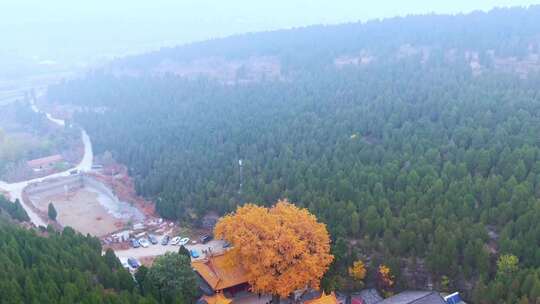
(83,203)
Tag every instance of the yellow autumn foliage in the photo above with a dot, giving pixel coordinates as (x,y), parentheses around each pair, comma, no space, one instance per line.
(386,279)
(358,270)
(282,248)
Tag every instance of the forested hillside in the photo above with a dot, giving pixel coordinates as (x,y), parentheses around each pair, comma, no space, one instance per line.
(60,268)
(429,163)
(507,32)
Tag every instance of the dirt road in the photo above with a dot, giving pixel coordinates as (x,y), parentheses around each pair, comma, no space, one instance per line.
(15,189)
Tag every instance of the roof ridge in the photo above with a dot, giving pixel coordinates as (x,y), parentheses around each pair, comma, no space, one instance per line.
(215,270)
(428,294)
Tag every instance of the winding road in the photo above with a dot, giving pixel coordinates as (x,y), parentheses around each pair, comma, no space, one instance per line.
(15,189)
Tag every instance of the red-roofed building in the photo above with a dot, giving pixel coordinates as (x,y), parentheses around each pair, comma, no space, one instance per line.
(45,162)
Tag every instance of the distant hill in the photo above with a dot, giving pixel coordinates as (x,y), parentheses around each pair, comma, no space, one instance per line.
(484,39)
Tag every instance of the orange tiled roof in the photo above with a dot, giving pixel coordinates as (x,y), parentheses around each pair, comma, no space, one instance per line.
(219,273)
(324,299)
(217,299)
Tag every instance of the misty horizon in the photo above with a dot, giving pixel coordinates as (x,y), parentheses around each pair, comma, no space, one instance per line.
(60,31)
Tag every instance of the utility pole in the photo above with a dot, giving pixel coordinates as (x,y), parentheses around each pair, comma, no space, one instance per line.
(241,176)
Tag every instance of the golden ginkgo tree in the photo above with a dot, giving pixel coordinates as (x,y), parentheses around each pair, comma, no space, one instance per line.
(358,271)
(283,248)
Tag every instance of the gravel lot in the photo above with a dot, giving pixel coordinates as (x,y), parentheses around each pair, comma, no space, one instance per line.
(82,211)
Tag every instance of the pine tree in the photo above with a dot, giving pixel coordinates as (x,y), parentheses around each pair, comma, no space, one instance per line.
(140,277)
(52,212)
(184,251)
(111,259)
(535,291)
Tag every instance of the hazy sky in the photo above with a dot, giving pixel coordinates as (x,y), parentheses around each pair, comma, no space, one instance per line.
(91,28)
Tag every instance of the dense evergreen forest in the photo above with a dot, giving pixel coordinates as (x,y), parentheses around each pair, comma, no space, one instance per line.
(412,160)
(47,266)
(60,268)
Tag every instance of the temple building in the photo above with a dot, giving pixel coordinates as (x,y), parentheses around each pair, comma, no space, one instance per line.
(224,282)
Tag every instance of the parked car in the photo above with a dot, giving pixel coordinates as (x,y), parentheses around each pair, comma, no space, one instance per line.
(175,240)
(183,241)
(135,243)
(133,263)
(194,253)
(165,240)
(144,243)
(206,238)
(153,239)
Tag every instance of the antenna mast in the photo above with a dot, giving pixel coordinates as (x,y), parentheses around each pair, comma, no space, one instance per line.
(241,175)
